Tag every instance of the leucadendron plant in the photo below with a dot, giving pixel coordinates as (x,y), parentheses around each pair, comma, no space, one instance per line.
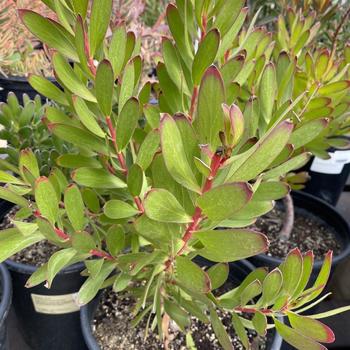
(152,186)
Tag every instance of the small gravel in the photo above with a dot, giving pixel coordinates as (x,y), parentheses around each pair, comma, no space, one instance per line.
(113,331)
(309,233)
(35,255)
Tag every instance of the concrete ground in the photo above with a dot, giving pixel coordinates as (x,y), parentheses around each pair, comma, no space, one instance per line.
(340,324)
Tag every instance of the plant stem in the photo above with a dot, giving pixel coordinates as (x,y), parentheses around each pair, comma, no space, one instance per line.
(193,102)
(337,31)
(288,221)
(101,254)
(252,310)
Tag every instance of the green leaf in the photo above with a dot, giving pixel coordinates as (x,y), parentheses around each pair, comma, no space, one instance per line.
(205,55)
(127,84)
(268,92)
(260,323)
(26,228)
(308,260)
(74,161)
(92,285)
(174,154)
(12,241)
(240,330)
(177,314)
(271,287)
(127,122)
(48,230)
(38,277)
(117,209)
(220,330)
(46,199)
(99,21)
(97,178)
(117,49)
(296,339)
(231,245)
(8,178)
(148,149)
(121,282)
(135,180)
(209,119)
(104,85)
(91,200)
(57,262)
(250,292)
(285,168)
(218,275)
(79,137)
(50,32)
(307,132)
(161,205)
(94,266)
(68,77)
(254,161)
(115,239)
(133,263)
(271,190)
(253,210)
(311,328)
(217,203)
(83,242)
(28,160)
(46,88)
(87,117)
(292,270)
(74,205)
(334,88)
(80,7)
(191,275)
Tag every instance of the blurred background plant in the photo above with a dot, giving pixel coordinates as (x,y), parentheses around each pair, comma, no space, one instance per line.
(20,53)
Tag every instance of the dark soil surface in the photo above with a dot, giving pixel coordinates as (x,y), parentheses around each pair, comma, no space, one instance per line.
(113,330)
(35,255)
(309,233)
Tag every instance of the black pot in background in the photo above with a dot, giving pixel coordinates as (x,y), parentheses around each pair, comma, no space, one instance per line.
(238,271)
(307,203)
(48,318)
(19,86)
(5,303)
(328,177)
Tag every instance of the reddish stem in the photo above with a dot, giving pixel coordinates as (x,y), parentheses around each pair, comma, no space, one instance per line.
(61,234)
(253,311)
(101,254)
(193,102)
(139,204)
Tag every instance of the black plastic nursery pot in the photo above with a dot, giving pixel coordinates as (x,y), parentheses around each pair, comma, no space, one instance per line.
(316,207)
(5,303)
(238,271)
(19,86)
(48,318)
(328,177)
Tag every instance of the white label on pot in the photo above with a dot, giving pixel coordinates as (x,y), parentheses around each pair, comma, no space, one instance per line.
(334,165)
(55,304)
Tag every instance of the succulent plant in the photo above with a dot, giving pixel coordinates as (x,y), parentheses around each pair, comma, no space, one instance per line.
(154,186)
(23,128)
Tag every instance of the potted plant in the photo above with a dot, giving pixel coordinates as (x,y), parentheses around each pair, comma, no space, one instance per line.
(20,53)
(27,137)
(5,303)
(165,182)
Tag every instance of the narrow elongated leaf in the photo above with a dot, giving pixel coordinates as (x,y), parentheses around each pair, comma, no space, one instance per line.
(218,275)
(74,205)
(127,84)
(191,275)
(87,117)
(161,205)
(69,78)
(334,88)
(99,20)
(104,85)
(83,242)
(250,292)
(92,285)
(13,197)
(308,260)
(174,154)
(228,12)
(205,55)
(240,330)
(311,328)
(46,88)
(220,330)
(127,122)
(135,180)
(148,149)
(260,323)
(26,228)
(80,7)
(179,315)
(117,49)
(115,239)
(58,261)
(209,119)
(28,161)
(268,91)
(271,287)
(50,32)
(9,179)
(222,202)
(292,270)
(116,209)
(271,190)
(74,161)
(79,137)
(296,339)
(46,199)
(231,245)
(97,178)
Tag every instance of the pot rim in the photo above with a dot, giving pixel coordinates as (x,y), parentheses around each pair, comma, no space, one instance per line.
(333,211)
(90,340)
(21,79)
(6,286)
